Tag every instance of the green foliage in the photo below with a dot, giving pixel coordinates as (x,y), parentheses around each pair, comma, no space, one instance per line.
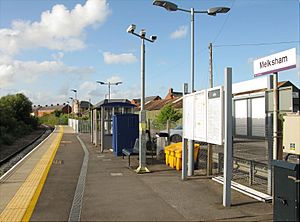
(15,119)
(57,113)
(168,113)
(52,119)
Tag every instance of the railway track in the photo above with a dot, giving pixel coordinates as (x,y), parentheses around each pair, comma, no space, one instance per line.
(9,160)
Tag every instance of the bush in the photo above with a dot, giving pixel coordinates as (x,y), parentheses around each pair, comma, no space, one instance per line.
(168,113)
(15,119)
(52,119)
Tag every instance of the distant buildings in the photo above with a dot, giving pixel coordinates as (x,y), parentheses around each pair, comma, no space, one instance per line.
(78,108)
(40,111)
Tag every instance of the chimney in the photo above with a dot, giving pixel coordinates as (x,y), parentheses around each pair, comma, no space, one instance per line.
(171,90)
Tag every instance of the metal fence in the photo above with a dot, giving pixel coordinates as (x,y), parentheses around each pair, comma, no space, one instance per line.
(250,163)
(80,126)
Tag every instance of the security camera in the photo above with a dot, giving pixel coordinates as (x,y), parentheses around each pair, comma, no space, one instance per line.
(131,28)
(143,33)
(153,37)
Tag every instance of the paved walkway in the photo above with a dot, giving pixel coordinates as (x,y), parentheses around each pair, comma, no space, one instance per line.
(112,192)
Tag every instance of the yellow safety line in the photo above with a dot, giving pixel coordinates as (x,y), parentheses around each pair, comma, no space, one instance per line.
(21,206)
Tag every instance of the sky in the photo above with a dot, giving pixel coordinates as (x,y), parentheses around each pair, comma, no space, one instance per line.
(49,47)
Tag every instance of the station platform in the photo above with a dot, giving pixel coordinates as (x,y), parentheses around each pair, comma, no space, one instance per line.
(68,179)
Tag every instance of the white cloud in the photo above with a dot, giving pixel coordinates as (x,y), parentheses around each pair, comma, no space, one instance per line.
(110,58)
(179,33)
(29,71)
(58,56)
(58,29)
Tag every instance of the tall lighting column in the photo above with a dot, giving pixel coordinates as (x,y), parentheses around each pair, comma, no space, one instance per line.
(109,84)
(142,133)
(213,12)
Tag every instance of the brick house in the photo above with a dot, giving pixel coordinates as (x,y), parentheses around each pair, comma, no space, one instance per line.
(44,110)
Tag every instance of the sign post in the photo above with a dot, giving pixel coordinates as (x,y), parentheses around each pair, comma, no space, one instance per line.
(228,138)
(273,64)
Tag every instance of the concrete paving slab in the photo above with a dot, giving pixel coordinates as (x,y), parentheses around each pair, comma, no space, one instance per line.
(56,198)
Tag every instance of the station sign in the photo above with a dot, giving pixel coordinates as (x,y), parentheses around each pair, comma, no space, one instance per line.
(275,63)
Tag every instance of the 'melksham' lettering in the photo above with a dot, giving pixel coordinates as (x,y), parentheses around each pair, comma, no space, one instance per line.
(273,62)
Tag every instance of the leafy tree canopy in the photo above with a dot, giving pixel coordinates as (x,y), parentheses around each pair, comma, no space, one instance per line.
(168,113)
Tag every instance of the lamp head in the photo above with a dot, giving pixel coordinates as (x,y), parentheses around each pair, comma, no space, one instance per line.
(153,38)
(102,83)
(216,10)
(165,4)
(131,28)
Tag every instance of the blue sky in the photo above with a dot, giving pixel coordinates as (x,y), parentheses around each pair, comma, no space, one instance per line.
(48,47)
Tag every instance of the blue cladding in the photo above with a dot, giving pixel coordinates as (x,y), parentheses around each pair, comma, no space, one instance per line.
(125,132)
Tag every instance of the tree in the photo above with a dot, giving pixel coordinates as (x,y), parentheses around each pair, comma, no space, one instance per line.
(168,113)
(15,119)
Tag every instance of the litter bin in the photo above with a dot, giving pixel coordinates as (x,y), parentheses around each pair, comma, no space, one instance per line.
(286,191)
(161,142)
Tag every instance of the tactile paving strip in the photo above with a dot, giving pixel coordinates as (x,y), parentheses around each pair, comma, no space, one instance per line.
(77,201)
(21,206)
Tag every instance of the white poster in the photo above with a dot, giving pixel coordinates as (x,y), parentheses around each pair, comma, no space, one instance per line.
(215,115)
(188,116)
(200,115)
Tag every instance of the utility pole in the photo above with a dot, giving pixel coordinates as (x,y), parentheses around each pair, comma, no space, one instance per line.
(209,146)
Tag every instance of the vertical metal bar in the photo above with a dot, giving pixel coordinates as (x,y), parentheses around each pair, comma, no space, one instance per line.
(228,138)
(102,117)
(251,170)
(191,142)
(184,143)
(108,90)
(209,146)
(168,130)
(269,136)
(142,140)
(275,115)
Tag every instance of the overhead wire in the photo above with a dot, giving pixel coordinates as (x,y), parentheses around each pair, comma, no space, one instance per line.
(224,23)
(255,44)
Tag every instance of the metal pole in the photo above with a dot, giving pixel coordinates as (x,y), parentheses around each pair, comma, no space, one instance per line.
(191,142)
(270,137)
(108,90)
(275,117)
(142,142)
(228,138)
(184,144)
(209,146)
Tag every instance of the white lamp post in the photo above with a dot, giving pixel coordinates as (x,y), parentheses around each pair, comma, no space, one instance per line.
(109,84)
(142,134)
(213,12)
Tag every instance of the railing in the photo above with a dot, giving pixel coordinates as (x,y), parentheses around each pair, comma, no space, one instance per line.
(80,126)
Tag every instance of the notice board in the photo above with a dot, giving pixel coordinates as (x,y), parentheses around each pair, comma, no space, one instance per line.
(203,116)
(188,116)
(200,115)
(215,115)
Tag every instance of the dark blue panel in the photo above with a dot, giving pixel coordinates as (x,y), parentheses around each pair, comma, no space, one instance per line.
(125,131)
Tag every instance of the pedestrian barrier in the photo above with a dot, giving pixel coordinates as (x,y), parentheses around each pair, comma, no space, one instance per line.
(173,155)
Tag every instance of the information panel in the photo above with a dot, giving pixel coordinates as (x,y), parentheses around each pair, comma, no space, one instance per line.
(215,115)
(203,116)
(200,115)
(188,116)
